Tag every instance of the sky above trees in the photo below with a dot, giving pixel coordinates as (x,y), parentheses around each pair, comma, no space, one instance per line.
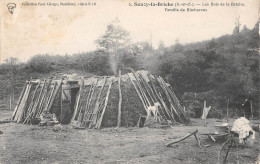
(67,30)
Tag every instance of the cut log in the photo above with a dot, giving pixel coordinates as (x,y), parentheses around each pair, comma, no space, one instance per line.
(181,139)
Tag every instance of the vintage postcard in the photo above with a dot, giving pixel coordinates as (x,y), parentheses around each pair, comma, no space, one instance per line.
(129,81)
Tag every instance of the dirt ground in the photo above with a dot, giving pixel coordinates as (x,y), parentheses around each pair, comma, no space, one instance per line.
(62,144)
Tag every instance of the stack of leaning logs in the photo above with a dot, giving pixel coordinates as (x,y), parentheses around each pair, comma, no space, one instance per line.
(35,97)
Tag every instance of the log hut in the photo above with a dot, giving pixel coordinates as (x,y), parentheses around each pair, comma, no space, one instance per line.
(99,101)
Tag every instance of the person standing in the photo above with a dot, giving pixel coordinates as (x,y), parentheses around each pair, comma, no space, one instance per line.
(246,107)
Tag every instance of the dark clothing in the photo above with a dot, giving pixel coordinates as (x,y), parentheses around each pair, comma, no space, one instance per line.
(247,109)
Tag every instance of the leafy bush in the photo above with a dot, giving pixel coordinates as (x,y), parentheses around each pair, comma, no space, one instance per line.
(40,63)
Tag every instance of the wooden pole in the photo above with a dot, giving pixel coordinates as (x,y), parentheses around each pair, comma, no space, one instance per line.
(24,109)
(29,110)
(151,90)
(227,110)
(34,105)
(176,101)
(21,104)
(50,98)
(205,105)
(172,95)
(86,112)
(251,108)
(55,94)
(89,111)
(104,108)
(40,101)
(181,139)
(170,90)
(120,100)
(42,97)
(174,98)
(19,101)
(169,99)
(161,100)
(95,112)
(81,110)
(146,89)
(141,89)
(77,103)
(25,99)
(197,140)
(152,96)
(139,94)
(171,115)
(10,108)
(32,101)
(38,106)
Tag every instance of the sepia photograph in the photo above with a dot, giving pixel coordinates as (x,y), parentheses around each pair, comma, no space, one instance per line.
(129,81)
